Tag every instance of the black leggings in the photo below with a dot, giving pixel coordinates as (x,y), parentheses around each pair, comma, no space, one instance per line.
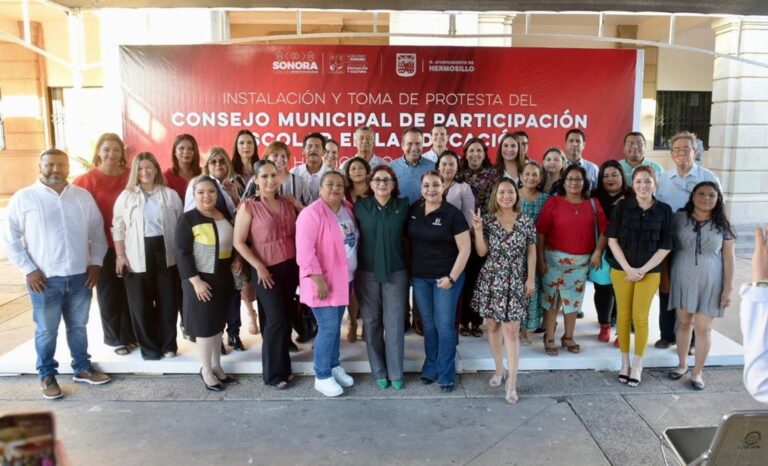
(605,303)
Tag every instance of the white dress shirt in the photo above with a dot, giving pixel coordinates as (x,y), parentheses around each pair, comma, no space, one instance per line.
(675,190)
(754,328)
(60,234)
(312,179)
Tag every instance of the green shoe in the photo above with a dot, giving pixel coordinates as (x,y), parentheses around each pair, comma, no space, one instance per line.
(398,384)
(383,383)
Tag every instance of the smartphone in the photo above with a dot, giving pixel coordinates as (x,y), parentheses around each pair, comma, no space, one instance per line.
(27,439)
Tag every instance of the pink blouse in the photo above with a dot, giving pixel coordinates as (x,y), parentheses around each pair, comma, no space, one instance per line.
(272,235)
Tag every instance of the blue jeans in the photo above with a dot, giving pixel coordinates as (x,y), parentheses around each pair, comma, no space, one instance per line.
(327,339)
(66,297)
(437,307)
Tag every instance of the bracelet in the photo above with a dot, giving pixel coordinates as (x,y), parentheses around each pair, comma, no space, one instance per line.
(760,283)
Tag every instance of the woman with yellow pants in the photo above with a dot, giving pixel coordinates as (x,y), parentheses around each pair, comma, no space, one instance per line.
(639,237)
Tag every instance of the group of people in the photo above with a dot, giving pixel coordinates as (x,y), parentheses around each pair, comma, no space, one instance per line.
(508,244)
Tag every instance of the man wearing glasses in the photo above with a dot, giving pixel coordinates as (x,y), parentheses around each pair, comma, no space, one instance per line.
(675,188)
(634,156)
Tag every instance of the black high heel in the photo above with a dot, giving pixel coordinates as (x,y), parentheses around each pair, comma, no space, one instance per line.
(214,388)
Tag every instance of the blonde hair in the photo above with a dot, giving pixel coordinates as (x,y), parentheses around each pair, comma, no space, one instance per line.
(213,152)
(133,177)
(96,161)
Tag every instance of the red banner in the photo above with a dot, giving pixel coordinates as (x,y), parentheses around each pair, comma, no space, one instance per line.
(284,92)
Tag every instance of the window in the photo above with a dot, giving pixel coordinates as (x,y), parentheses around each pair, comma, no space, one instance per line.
(2,124)
(681,111)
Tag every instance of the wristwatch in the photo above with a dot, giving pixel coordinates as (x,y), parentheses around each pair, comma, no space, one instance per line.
(450,279)
(760,283)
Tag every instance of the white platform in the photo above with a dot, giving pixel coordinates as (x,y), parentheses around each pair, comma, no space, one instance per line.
(473,354)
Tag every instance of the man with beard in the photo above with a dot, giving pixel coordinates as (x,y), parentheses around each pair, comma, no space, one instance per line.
(55,235)
(634,156)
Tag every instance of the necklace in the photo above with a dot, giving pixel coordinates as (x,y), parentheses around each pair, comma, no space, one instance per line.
(576,207)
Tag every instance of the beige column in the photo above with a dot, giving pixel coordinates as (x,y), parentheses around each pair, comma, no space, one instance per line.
(493,23)
(738,138)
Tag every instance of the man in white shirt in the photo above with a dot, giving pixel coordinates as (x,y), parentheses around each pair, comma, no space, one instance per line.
(313,167)
(754,321)
(675,188)
(55,235)
(575,141)
(439,141)
(365,141)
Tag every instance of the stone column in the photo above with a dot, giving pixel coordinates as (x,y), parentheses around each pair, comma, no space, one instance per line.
(491,23)
(738,139)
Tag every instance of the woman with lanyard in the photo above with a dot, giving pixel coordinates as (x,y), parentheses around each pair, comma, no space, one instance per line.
(382,280)
(570,240)
(144,229)
(440,248)
(105,182)
(326,251)
(204,254)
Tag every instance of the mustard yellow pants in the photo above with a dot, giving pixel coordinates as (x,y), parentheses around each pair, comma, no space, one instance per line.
(633,303)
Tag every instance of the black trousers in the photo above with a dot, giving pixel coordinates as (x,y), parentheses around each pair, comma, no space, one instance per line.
(275,304)
(667,318)
(152,300)
(605,303)
(113,305)
(468,314)
(233,315)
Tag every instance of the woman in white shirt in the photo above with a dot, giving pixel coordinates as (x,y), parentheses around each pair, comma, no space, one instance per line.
(143,227)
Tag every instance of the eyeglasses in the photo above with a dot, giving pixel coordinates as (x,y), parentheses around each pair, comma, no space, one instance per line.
(217,162)
(381,180)
(574,180)
(682,150)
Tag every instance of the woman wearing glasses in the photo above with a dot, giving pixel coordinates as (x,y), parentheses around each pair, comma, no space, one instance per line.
(382,281)
(570,240)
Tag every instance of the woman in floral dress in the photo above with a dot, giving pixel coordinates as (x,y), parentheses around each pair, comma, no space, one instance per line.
(507,279)
(532,201)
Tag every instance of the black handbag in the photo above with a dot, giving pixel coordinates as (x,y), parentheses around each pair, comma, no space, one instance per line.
(304,322)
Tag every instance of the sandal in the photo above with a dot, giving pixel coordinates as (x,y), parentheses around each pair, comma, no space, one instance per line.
(253,326)
(282,385)
(572,347)
(549,347)
(464,331)
(511,397)
(496,380)
(122,350)
(624,378)
(525,337)
(477,331)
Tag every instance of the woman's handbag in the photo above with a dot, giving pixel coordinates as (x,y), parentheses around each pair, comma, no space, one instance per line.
(601,276)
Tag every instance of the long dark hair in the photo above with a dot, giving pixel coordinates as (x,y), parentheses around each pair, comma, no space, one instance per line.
(349,186)
(196,168)
(585,183)
(237,159)
(600,188)
(719,219)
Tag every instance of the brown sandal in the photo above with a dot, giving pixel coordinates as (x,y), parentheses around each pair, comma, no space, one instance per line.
(549,347)
(572,347)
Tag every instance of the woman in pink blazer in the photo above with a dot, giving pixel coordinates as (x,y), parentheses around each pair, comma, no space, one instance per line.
(326,252)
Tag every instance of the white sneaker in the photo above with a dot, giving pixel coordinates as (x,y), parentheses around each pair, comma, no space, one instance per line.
(341,376)
(328,387)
